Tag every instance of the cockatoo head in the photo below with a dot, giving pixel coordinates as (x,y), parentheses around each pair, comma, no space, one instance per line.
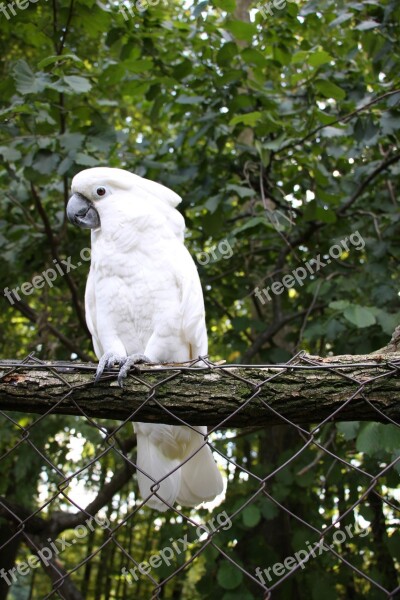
(95,190)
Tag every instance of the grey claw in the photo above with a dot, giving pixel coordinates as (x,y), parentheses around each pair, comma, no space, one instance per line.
(108,360)
(130,361)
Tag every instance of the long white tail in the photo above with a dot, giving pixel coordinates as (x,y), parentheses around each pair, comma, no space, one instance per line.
(160,451)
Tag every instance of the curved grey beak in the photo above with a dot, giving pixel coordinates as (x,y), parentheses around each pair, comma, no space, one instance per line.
(81,212)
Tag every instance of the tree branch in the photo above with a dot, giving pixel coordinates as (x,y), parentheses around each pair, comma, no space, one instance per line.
(34,317)
(272,330)
(305,390)
(384,165)
(344,118)
(54,252)
(62,520)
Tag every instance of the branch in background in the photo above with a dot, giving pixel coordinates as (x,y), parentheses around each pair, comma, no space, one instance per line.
(25,212)
(343,119)
(309,311)
(60,520)
(53,568)
(242,10)
(384,165)
(33,316)
(226,312)
(63,227)
(17,513)
(270,332)
(321,453)
(54,252)
(66,28)
(393,345)
(384,558)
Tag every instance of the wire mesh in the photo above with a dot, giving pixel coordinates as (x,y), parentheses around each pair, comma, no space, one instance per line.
(63,506)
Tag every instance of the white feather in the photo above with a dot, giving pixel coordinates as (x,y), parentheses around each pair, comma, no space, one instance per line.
(158,456)
(144,296)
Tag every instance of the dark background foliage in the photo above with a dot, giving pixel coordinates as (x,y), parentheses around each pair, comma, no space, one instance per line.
(281,134)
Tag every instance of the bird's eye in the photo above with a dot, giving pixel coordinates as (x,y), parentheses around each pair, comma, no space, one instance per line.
(100,191)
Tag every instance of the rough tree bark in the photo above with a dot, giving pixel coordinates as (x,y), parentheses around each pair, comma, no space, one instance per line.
(307,392)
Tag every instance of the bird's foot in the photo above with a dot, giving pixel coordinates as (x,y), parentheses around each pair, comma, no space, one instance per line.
(109,359)
(129,362)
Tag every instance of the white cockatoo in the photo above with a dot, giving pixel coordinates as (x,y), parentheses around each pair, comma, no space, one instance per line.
(144,302)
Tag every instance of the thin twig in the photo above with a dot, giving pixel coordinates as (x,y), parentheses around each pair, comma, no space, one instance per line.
(309,310)
(384,165)
(320,454)
(338,120)
(54,252)
(28,312)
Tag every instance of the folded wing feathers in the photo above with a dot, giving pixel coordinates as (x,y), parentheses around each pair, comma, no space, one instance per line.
(161,450)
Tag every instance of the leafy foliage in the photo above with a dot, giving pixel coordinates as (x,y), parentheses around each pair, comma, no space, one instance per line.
(281,133)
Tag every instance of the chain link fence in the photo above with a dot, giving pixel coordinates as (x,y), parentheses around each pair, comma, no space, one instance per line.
(78,529)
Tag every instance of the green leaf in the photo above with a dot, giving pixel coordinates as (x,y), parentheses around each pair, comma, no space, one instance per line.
(139,66)
(342,18)
(71,141)
(80,85)
(390,123)
(10,154)
(387,321)
(229,576)
(394,457)
(227,5)
(213,203)
(45,162)
(390,437)
(254,57)
(366,25)
(227,53)
(50,60)
(315,212)
(359,316)
(339,304)
(282,56)
(238,595)
(253,222)
(190,99)
(349,430)
(251,516)
(277,143)
(240,190)
(324,117)
(65,165)
(299,57)
(269,510)
(330,132)
(365,129)
(329,89)
(264,153)
(242,30)
(319,58)
(183,69)
(369,438)
(86,160)
(27,82)
(247,119)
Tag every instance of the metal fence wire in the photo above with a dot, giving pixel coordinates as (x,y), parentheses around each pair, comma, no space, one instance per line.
(84,532)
